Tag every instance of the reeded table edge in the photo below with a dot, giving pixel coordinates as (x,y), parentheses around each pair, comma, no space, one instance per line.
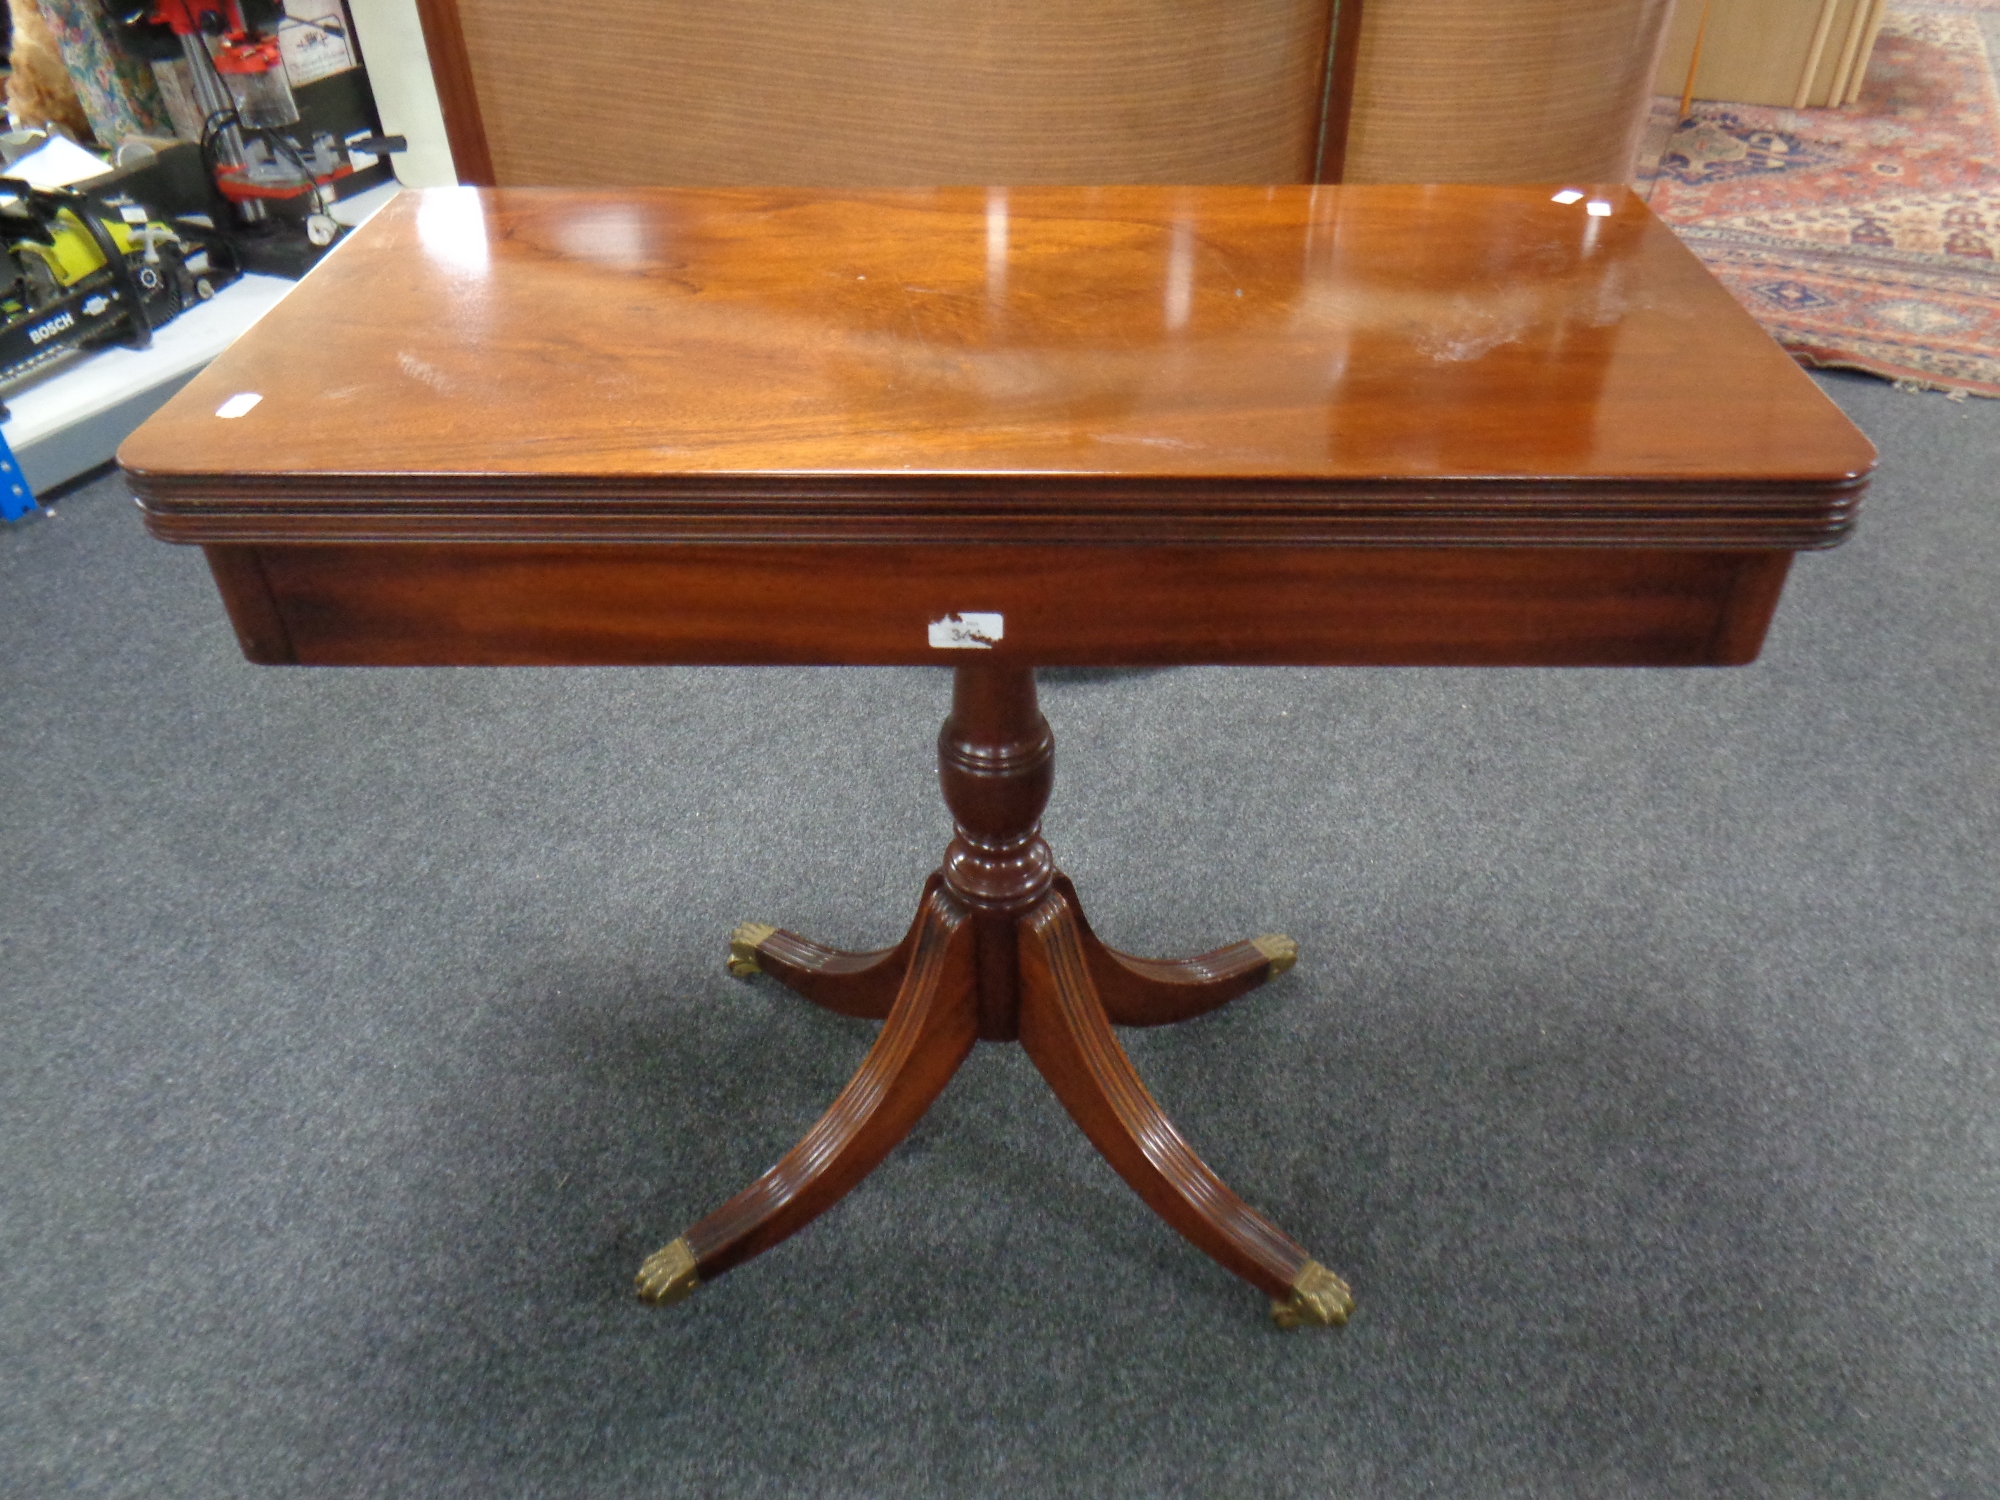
(1004,509)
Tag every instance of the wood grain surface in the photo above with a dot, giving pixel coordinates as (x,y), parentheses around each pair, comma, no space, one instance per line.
(1356,366)
(485,604)
(930,1029)
(1067,1036)
(1343,425)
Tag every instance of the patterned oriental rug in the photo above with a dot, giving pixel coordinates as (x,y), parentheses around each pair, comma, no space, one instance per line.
(1863,236)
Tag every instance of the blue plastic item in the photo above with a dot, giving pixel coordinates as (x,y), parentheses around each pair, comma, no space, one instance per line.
(16,499)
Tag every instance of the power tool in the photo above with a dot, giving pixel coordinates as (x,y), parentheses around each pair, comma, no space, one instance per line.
(87,270)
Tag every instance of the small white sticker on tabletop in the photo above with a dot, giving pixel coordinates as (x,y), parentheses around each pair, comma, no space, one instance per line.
(239,403)
(967,632)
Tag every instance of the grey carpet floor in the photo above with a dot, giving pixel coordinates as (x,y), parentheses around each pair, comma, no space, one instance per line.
(360,1031)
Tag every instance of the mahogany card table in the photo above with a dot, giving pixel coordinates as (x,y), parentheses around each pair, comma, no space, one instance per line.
(995,429)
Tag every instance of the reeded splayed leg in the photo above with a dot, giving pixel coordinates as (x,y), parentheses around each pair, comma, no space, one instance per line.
(1068,1036)
(930,1029)
(1160,991)
(850,984)
(1000,951)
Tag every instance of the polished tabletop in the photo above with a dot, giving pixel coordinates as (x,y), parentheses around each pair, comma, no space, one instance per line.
(1373,365)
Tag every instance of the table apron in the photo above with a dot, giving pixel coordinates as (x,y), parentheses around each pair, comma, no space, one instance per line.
(499,604)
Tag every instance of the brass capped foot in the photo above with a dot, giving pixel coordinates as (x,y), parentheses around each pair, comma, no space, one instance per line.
(743,948)
(1319,1299)
(668,1275)
(1281,950)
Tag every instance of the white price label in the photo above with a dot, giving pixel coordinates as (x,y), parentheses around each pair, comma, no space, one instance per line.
(967,632)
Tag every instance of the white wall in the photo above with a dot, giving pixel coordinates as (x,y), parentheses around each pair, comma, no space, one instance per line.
(399,72)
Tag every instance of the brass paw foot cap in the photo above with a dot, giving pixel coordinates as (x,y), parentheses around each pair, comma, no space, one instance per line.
(1281,950)
(1319,1299)
(743,944)
(668,1275)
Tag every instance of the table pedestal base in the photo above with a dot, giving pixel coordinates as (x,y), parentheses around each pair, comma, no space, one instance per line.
(1000,951)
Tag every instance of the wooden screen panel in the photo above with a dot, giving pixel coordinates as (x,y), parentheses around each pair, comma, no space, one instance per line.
(896,92)
(1474,91)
